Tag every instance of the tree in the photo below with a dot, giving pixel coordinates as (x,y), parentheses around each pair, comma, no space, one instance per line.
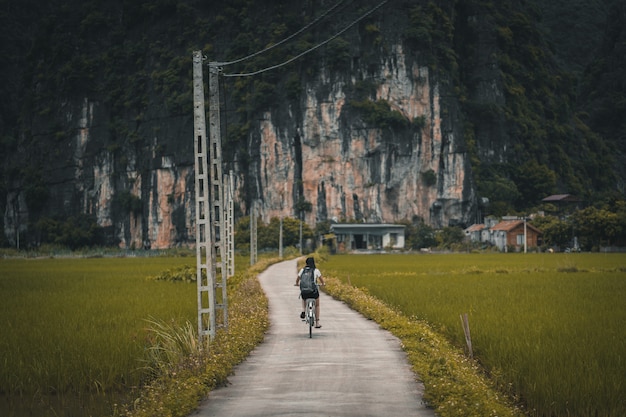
(268,235)
(75,233)
(596,227)
(424,237)
(556,232)
(418,235)
(242,233)
(500,190)
(450,236)
(534,182)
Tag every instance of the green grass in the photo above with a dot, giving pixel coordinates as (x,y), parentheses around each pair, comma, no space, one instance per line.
(548,328)
(177,393)
(88,325)
(117,336)
(78,326)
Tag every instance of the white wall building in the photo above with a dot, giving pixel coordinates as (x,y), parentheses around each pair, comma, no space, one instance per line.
(368,236)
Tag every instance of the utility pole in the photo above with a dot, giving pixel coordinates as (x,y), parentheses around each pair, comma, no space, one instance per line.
(280,239)
(206,311)
(525,237)
(253,233)
(210,257)
(229,220)
(300,232)
(219,267)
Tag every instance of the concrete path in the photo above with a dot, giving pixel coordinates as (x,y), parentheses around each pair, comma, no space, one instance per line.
(350,367)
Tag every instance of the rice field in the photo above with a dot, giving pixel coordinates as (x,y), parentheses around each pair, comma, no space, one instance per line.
(548,328)
(74,331)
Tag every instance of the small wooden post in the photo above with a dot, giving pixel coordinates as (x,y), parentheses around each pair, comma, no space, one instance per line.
(468,337)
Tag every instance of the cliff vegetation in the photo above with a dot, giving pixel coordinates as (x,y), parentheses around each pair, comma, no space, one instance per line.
(464,107)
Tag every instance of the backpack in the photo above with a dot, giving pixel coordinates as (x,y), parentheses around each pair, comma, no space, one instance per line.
(307,280)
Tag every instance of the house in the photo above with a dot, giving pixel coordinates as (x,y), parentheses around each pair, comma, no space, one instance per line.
(511,232)
(507,233)
(477,233)
(368,236)
(474,233)
(565,202)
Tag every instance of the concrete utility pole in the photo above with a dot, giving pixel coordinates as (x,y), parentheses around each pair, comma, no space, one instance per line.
(211,272)
(229,220)
(525,237)
(253,233)
(218,265)
(280,239)
(301,243)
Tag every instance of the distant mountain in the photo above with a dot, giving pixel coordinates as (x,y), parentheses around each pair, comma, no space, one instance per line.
(397,110)
(574,30)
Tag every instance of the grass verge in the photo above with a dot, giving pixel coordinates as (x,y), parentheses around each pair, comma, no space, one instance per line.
(454,385)
(182,384)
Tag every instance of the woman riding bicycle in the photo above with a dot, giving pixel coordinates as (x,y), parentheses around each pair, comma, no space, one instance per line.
(317,274)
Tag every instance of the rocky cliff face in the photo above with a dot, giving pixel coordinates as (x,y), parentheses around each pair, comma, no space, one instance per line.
(350,171)
(141,194)
(129,163)
(322,152)
(376,126)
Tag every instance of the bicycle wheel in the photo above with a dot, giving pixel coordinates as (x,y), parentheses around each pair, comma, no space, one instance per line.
(311,316)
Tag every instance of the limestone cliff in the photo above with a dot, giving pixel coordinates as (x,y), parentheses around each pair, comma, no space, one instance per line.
(322,152)
(349,171)
(108,130)
(378,124)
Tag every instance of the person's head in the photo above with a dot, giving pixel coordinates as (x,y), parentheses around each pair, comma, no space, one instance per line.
(310,262)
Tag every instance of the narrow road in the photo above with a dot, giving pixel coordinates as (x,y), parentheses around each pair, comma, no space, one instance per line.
(350,367)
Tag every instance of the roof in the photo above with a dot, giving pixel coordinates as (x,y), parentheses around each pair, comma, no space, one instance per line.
(561,197)
(364,227)
(509,225)
(475,228)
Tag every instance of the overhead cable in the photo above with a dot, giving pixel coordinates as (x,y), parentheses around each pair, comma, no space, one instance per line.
(223,64)
(311,49)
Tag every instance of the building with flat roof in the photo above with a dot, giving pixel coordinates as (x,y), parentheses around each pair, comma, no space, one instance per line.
(368,236)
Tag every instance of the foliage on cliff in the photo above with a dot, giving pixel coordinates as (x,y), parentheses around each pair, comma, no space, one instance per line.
(538,117)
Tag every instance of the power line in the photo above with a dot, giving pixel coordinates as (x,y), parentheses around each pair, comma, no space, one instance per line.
(223,64)
(311,49)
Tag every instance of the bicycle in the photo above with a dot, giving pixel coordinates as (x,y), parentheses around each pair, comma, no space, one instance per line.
(309,315)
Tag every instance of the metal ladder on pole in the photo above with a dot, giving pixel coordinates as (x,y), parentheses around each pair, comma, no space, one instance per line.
(229,221)
(219,269)
(210,259)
